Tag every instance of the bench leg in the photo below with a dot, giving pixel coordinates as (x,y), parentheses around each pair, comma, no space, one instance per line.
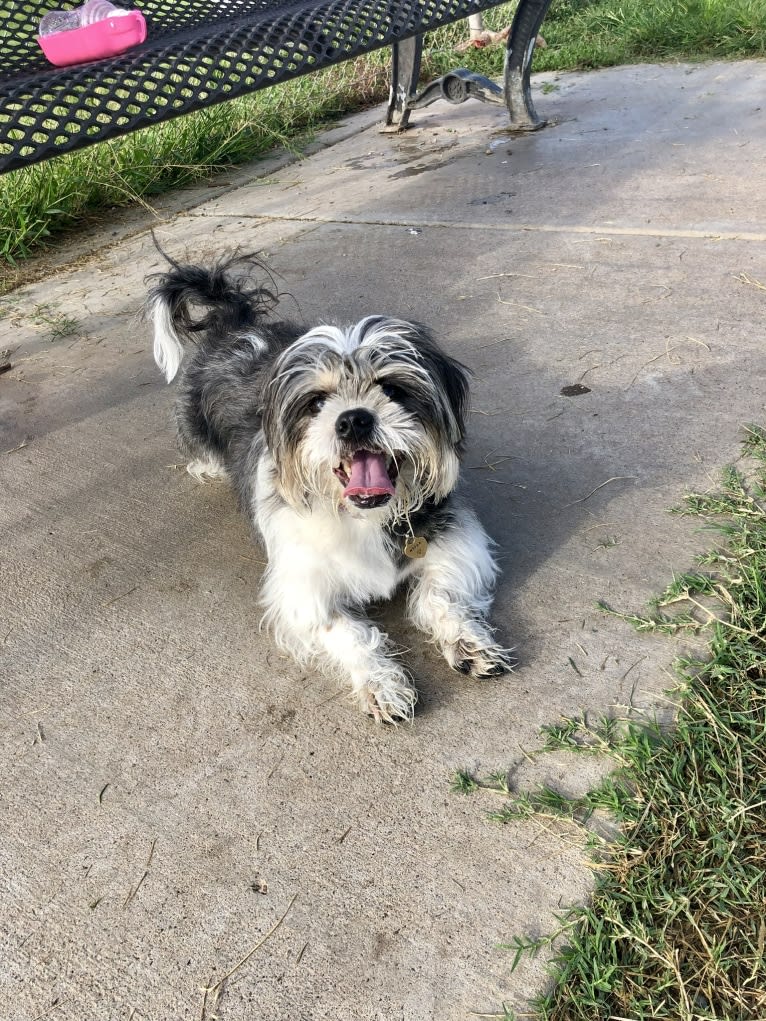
(405,71)
(518,62)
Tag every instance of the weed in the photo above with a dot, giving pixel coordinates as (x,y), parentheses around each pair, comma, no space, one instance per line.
(607,542)
(463,782)
(580,735)
(59,324)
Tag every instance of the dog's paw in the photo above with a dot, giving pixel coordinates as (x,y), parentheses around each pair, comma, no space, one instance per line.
(206,470)
(470,657)
(389,699)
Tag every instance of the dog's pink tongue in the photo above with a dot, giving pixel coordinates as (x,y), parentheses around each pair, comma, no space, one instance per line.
(369,476)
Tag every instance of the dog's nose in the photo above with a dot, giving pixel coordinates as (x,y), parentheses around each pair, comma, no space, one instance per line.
(355,424)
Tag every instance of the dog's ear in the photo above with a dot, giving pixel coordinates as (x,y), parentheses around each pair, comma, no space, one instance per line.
(456,386)
(454,383)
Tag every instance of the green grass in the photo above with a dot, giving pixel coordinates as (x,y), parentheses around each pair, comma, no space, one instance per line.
(46,201)
(583,34)
(676,928)
(59,325)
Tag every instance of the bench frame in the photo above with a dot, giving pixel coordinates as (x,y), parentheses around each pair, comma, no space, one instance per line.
(245,46)
(460,85)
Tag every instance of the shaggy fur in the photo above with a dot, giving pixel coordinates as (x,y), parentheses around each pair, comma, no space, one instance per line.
(343,446)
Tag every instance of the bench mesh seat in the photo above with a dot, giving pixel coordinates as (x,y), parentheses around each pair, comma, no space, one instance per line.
(197,53)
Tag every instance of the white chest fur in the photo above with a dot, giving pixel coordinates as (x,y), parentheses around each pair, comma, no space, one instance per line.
(351,554)
(337,555)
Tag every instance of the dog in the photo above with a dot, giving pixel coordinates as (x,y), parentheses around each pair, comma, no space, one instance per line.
(343,445)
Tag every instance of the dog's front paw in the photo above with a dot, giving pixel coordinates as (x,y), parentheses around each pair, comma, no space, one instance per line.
(388,699)
(469,656)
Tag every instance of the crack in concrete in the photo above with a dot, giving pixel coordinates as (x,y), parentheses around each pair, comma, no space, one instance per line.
(507,228)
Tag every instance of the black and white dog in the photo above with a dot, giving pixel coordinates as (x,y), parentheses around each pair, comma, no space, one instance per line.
(343,446)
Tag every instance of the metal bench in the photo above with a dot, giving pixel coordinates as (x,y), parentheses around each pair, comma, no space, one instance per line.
(201,52)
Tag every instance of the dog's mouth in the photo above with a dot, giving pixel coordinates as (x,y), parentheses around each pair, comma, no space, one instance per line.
(368,478)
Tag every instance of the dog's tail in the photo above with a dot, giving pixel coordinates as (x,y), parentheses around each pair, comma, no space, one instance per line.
(212,304)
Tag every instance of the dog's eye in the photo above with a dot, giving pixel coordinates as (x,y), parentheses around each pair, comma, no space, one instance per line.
(316,404)
(393,392)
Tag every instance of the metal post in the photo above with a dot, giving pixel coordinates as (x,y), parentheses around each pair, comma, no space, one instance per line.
(518,62)
(405,71)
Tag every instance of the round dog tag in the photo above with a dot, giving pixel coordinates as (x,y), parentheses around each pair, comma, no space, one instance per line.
(416,547)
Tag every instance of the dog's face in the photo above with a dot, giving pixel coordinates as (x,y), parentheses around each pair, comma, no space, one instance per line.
(370,417)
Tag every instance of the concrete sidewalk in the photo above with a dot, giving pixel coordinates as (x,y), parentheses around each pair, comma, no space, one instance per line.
(171,785)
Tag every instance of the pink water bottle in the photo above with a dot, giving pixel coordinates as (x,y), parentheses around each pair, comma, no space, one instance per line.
(94,30)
